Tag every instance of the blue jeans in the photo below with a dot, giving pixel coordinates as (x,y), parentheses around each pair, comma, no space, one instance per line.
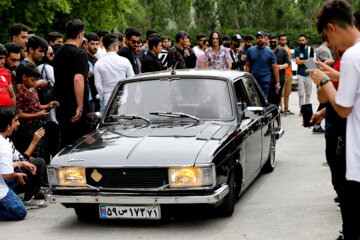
(265,87)
(11,207)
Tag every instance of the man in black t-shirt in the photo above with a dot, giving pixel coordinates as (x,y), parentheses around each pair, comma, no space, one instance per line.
(71,84)
(132,39)
(151,62)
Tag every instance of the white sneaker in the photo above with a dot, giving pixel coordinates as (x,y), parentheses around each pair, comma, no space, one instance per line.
(32,203)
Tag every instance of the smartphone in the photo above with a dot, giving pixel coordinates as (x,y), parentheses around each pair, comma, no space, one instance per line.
(307,113)
(321,59)
(310,64)
(18,170)
(48,110)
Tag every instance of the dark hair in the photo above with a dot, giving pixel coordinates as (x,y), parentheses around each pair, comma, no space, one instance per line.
(282,35)
(12,48)
(54,35)
(165,37)
(109,39)
(36,42)
(273,36)
(247,37)
(180,35)
(56,47)
(92,37)
(266,35)
(3,50)
(120,36)
(200,36)
(17,28)
(73,28)
(227,44)
(302,35)
(7,114)
(149,33)
(154,41)
(30,31)
(211,38)
(357,18)
(102,33)
(154,35)
(30,70)
(130,31)
(338,12)
(226,38)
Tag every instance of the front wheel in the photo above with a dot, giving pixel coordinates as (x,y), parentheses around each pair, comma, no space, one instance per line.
(270,163)
(226,209)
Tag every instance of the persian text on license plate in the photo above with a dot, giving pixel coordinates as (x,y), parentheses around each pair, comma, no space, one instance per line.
(136,212)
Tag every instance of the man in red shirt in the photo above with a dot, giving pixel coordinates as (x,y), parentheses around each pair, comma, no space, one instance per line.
(7,95)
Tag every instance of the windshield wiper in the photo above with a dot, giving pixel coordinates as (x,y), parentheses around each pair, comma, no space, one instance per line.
(129,117)
(174,114)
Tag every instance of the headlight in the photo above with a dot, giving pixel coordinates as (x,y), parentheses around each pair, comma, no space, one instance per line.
(67,176)
(191,176)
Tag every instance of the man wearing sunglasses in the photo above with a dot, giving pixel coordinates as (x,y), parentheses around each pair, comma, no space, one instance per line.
(132,39)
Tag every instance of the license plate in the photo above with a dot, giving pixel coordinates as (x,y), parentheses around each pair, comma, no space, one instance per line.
(130,212)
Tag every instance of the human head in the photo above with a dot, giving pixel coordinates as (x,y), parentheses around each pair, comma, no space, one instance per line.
(248,40)
(180,38)
(75,31)
(55,37)
(101,34)
(302,40)
(110,42)
(56,47)
(3,54)
(282,39)
(333,19)
(13,55)
(30,75)
(132,36)
(36,47)
(149,33)
(49,56)
(19,34)
(215,39)
(93,43)
(155,45)
(273,39)
(267,40)
(121,39)
(30,33)
(84,45)
(357,19)
(200,40)
(236,40)
(7,119)
(166,41)
(260,39)
(206,44)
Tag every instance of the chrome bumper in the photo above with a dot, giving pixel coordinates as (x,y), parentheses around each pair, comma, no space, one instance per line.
(279,133)
(213,198)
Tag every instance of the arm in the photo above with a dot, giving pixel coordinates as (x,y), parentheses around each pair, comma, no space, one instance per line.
(79,95)
(40,114)
(98,81)
(228,64)
(322,96)
(37,137)
(300,62)
(247,66)
(12,95)
(276,75)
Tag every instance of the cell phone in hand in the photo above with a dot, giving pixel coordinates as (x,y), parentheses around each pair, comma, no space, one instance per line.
(310,64)
(48,110)
(307,113)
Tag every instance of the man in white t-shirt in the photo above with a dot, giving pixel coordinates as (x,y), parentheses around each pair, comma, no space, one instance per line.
(11,206)
(336,23)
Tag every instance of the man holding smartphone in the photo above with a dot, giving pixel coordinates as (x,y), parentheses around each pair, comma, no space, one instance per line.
(302,54)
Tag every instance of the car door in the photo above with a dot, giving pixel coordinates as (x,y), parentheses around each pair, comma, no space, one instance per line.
(245,91)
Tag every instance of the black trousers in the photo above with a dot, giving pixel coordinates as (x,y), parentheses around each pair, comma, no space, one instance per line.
(275,97)
(32,182)
(353,200)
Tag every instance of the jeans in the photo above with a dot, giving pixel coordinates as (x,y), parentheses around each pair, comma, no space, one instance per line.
(265,86)
(11,207)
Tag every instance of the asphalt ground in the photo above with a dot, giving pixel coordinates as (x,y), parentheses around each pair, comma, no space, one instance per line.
(294,202)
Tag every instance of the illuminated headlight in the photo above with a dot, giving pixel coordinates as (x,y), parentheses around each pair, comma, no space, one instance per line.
(68,176)
(191,176)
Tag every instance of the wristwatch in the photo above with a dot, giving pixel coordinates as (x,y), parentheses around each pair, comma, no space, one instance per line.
(324,80)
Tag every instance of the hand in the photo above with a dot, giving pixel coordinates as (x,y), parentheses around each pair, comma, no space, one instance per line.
(54,104)
(332,73)
(279,67)
(20,178)
(30,159)
(78,115)
(42,113)
(277,87)
(38,135)
(29,166)
(328,61)
(317,75)
(243,57)
(187,52)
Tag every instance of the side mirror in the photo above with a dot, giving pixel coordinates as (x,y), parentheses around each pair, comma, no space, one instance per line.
(256,110)
(93,119)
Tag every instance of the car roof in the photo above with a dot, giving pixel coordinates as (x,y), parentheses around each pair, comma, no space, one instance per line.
(203,73)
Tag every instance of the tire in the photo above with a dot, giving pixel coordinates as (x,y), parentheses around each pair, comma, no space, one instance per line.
(87,212)
(226,209)
(270,163)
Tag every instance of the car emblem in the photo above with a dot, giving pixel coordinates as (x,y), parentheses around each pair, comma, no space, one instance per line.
(124,173)
(96,176)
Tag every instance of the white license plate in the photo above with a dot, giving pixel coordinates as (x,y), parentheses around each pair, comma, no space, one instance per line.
(130,212)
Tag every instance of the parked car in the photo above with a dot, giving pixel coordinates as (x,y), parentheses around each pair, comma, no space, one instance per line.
(185,137)
(294,67)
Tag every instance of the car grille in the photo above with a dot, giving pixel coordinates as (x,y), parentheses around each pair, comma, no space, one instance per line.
(128,177)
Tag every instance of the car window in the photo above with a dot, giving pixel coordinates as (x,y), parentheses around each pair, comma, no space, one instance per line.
(253,99)
(202,98)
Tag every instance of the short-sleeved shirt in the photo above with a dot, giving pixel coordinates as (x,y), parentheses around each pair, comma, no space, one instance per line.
(288,70)
(219,60)
(28,102)
(69,61)
(261,60)
(282,57)
(5,165)
(5,81)
(349,96)
(303,54)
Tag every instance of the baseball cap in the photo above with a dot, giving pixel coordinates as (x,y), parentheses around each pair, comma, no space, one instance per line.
(236,37)
(261,33)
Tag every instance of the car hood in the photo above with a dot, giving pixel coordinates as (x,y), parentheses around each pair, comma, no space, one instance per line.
(146,145)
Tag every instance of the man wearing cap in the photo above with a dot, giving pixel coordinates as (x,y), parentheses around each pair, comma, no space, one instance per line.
(260,61)
(234,50)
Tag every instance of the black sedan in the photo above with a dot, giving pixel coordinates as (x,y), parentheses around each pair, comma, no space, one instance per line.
(184,137)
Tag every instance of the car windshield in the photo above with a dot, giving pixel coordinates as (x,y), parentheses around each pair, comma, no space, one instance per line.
(206,99)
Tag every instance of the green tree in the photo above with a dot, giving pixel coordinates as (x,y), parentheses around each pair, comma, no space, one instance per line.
(205,16)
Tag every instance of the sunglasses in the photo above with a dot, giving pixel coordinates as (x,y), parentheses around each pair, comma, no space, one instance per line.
(274,42)
(52,54)
(135,42)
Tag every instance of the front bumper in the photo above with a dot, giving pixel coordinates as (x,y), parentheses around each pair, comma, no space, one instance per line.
(212,198)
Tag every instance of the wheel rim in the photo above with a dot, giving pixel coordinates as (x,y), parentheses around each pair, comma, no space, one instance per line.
(272,151)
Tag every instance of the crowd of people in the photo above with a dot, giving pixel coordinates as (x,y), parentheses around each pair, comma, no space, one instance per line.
(48,87)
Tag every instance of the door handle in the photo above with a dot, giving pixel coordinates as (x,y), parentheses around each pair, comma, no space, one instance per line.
(269,115)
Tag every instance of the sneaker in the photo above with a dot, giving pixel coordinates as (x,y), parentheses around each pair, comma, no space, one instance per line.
(318,129)
(289,112)
(340,235)
(32,203)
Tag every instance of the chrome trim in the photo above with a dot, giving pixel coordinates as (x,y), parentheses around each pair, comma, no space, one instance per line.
(213,198)
(279,133)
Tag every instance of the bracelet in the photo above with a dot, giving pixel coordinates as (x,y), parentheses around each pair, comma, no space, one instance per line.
(80,109)
(277,84)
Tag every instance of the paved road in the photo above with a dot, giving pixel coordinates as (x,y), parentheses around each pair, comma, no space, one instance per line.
(295,202)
